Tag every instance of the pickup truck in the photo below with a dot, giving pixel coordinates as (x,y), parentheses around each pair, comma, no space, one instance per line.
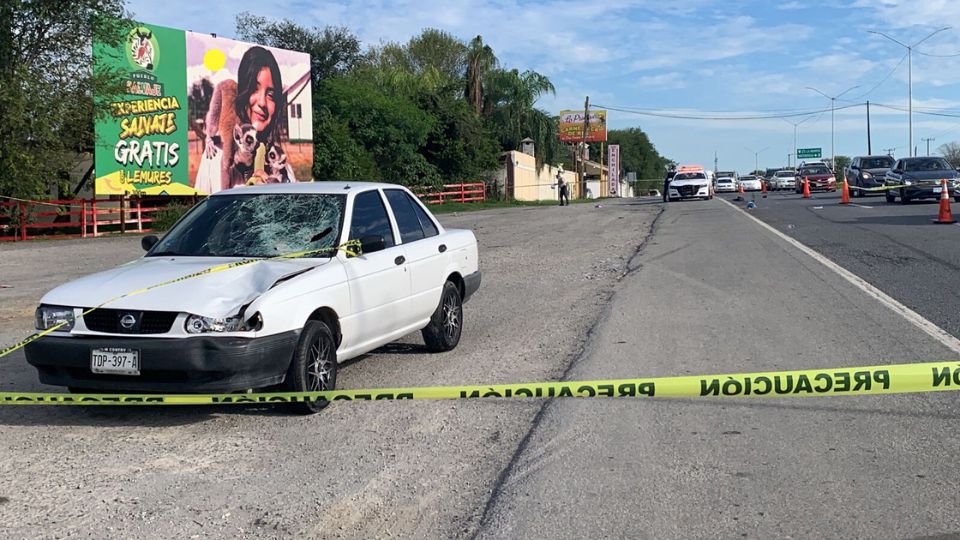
(258,287)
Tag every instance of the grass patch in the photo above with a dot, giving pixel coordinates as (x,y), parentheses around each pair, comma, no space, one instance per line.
(450,207)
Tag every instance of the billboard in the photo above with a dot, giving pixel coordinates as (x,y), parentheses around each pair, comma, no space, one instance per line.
(571,126)
(200,114)
(613,166)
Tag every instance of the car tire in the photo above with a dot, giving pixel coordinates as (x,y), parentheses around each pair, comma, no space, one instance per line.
(956,199)
(446,324)
(313,367)
(903,198)
(891,198)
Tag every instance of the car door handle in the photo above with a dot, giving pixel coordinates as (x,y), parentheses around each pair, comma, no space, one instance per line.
(442,248)
(400,260)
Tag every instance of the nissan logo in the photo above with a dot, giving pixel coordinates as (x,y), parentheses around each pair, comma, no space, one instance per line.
(128,321)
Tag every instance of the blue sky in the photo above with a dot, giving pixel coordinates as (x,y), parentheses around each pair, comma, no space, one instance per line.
(682,56)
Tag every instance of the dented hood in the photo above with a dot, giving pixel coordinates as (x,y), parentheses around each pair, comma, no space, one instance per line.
(218,294)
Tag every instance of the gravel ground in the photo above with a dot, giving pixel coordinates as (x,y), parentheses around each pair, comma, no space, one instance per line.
(358,470)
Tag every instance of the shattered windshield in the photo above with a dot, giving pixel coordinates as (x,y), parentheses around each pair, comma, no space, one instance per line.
(256,225)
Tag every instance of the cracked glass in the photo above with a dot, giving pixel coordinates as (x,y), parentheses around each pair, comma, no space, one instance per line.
(262,225)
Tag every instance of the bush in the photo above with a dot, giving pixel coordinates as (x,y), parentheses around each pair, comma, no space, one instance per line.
(164,219)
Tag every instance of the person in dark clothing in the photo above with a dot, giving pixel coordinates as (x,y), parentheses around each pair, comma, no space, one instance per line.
(666,184)
(562,188)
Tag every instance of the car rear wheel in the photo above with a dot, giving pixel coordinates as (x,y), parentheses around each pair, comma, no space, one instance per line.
(314,366)
(446,324)
(891,198)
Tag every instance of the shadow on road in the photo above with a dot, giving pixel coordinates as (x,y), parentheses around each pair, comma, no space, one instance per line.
(896,220)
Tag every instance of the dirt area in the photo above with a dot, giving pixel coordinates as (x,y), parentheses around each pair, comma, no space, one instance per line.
(357,470)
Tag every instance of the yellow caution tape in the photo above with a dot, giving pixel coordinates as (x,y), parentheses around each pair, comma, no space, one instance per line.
(851,381)
(351,248)
(881,188)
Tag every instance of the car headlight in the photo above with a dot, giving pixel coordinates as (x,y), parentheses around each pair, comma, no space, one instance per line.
(907,183)
(49,316)
(866,175)
(198,324)
(831,180)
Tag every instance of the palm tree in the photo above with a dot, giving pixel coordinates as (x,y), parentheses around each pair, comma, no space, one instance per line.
(510,102)
(480,63)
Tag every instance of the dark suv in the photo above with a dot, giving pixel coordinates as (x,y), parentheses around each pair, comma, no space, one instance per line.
(922,178)
(867,172)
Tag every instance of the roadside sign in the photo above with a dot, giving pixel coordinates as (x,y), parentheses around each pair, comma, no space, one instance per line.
(808,153)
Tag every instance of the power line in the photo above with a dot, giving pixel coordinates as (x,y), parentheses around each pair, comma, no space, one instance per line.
(938,55)
(702,116)
(892,71)
(928,113)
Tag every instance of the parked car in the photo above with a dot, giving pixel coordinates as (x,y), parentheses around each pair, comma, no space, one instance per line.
(727,174)
(751,183)
(819,176)
(785,179)
(279,322)
(726,185)
(921,178)
(867,172)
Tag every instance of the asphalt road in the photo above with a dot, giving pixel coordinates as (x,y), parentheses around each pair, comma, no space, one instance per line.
(895,247)
(633,288)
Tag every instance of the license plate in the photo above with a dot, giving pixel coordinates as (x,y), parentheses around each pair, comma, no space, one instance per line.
(115,361)
(937,189)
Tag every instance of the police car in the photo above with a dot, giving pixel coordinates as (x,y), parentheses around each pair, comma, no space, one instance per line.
(690,182)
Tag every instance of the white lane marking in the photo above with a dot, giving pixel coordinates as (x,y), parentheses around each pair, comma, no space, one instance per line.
(914,318)
(860,205)
(818,208)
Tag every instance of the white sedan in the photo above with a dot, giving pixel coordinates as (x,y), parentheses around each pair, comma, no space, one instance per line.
(267,321)
(750,183)
(726,185)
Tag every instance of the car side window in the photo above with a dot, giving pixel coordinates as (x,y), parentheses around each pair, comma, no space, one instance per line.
(427,224)
(407,221)
(370,218)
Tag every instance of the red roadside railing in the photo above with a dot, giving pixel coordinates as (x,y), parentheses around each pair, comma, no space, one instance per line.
(77,218)
(472,192)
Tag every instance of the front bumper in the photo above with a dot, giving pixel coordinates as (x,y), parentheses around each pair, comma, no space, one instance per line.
(929,191)
(689,191)
(193,364)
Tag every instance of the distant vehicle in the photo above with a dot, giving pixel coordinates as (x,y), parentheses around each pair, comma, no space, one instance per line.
(751,183)
(726,185)
(921,178)
(867,172)
(690,182)
(819,176)
(785,179)
(727,174)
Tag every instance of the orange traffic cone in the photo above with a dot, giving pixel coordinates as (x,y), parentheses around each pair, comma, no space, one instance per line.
(945,216)
(763,186)
(741,188)
(806,187)
(845,196)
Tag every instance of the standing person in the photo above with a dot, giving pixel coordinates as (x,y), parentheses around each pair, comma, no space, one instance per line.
(666,184)
(562,188)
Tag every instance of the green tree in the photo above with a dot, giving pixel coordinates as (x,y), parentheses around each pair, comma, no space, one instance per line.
(48,85)
(480,63)
(511,99)
(334,50)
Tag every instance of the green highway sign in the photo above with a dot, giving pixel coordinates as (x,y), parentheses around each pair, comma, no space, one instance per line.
(807,153)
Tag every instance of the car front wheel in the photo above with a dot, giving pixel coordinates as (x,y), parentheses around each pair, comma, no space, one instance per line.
(891,198)
(314,365)
(903,197)
(446,324)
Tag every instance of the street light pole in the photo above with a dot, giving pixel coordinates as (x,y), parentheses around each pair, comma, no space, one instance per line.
(927,140)
(910,75)
(833,106)
(795,124)
(756,157)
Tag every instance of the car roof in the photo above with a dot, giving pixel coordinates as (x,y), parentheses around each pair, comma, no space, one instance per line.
(876,156)
(307,187)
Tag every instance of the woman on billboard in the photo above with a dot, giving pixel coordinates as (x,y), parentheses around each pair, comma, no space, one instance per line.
(242,126)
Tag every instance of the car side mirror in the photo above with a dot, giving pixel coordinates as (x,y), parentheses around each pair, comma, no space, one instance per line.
(372,243)
(148,241)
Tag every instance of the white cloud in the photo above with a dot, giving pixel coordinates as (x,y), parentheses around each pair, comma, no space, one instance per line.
(792,6)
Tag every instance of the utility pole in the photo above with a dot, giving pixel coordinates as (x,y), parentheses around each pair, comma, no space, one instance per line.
(869,147)
(927,140)
(582,169)
(833,106)
(715,162)
(889,151)
(910,75)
